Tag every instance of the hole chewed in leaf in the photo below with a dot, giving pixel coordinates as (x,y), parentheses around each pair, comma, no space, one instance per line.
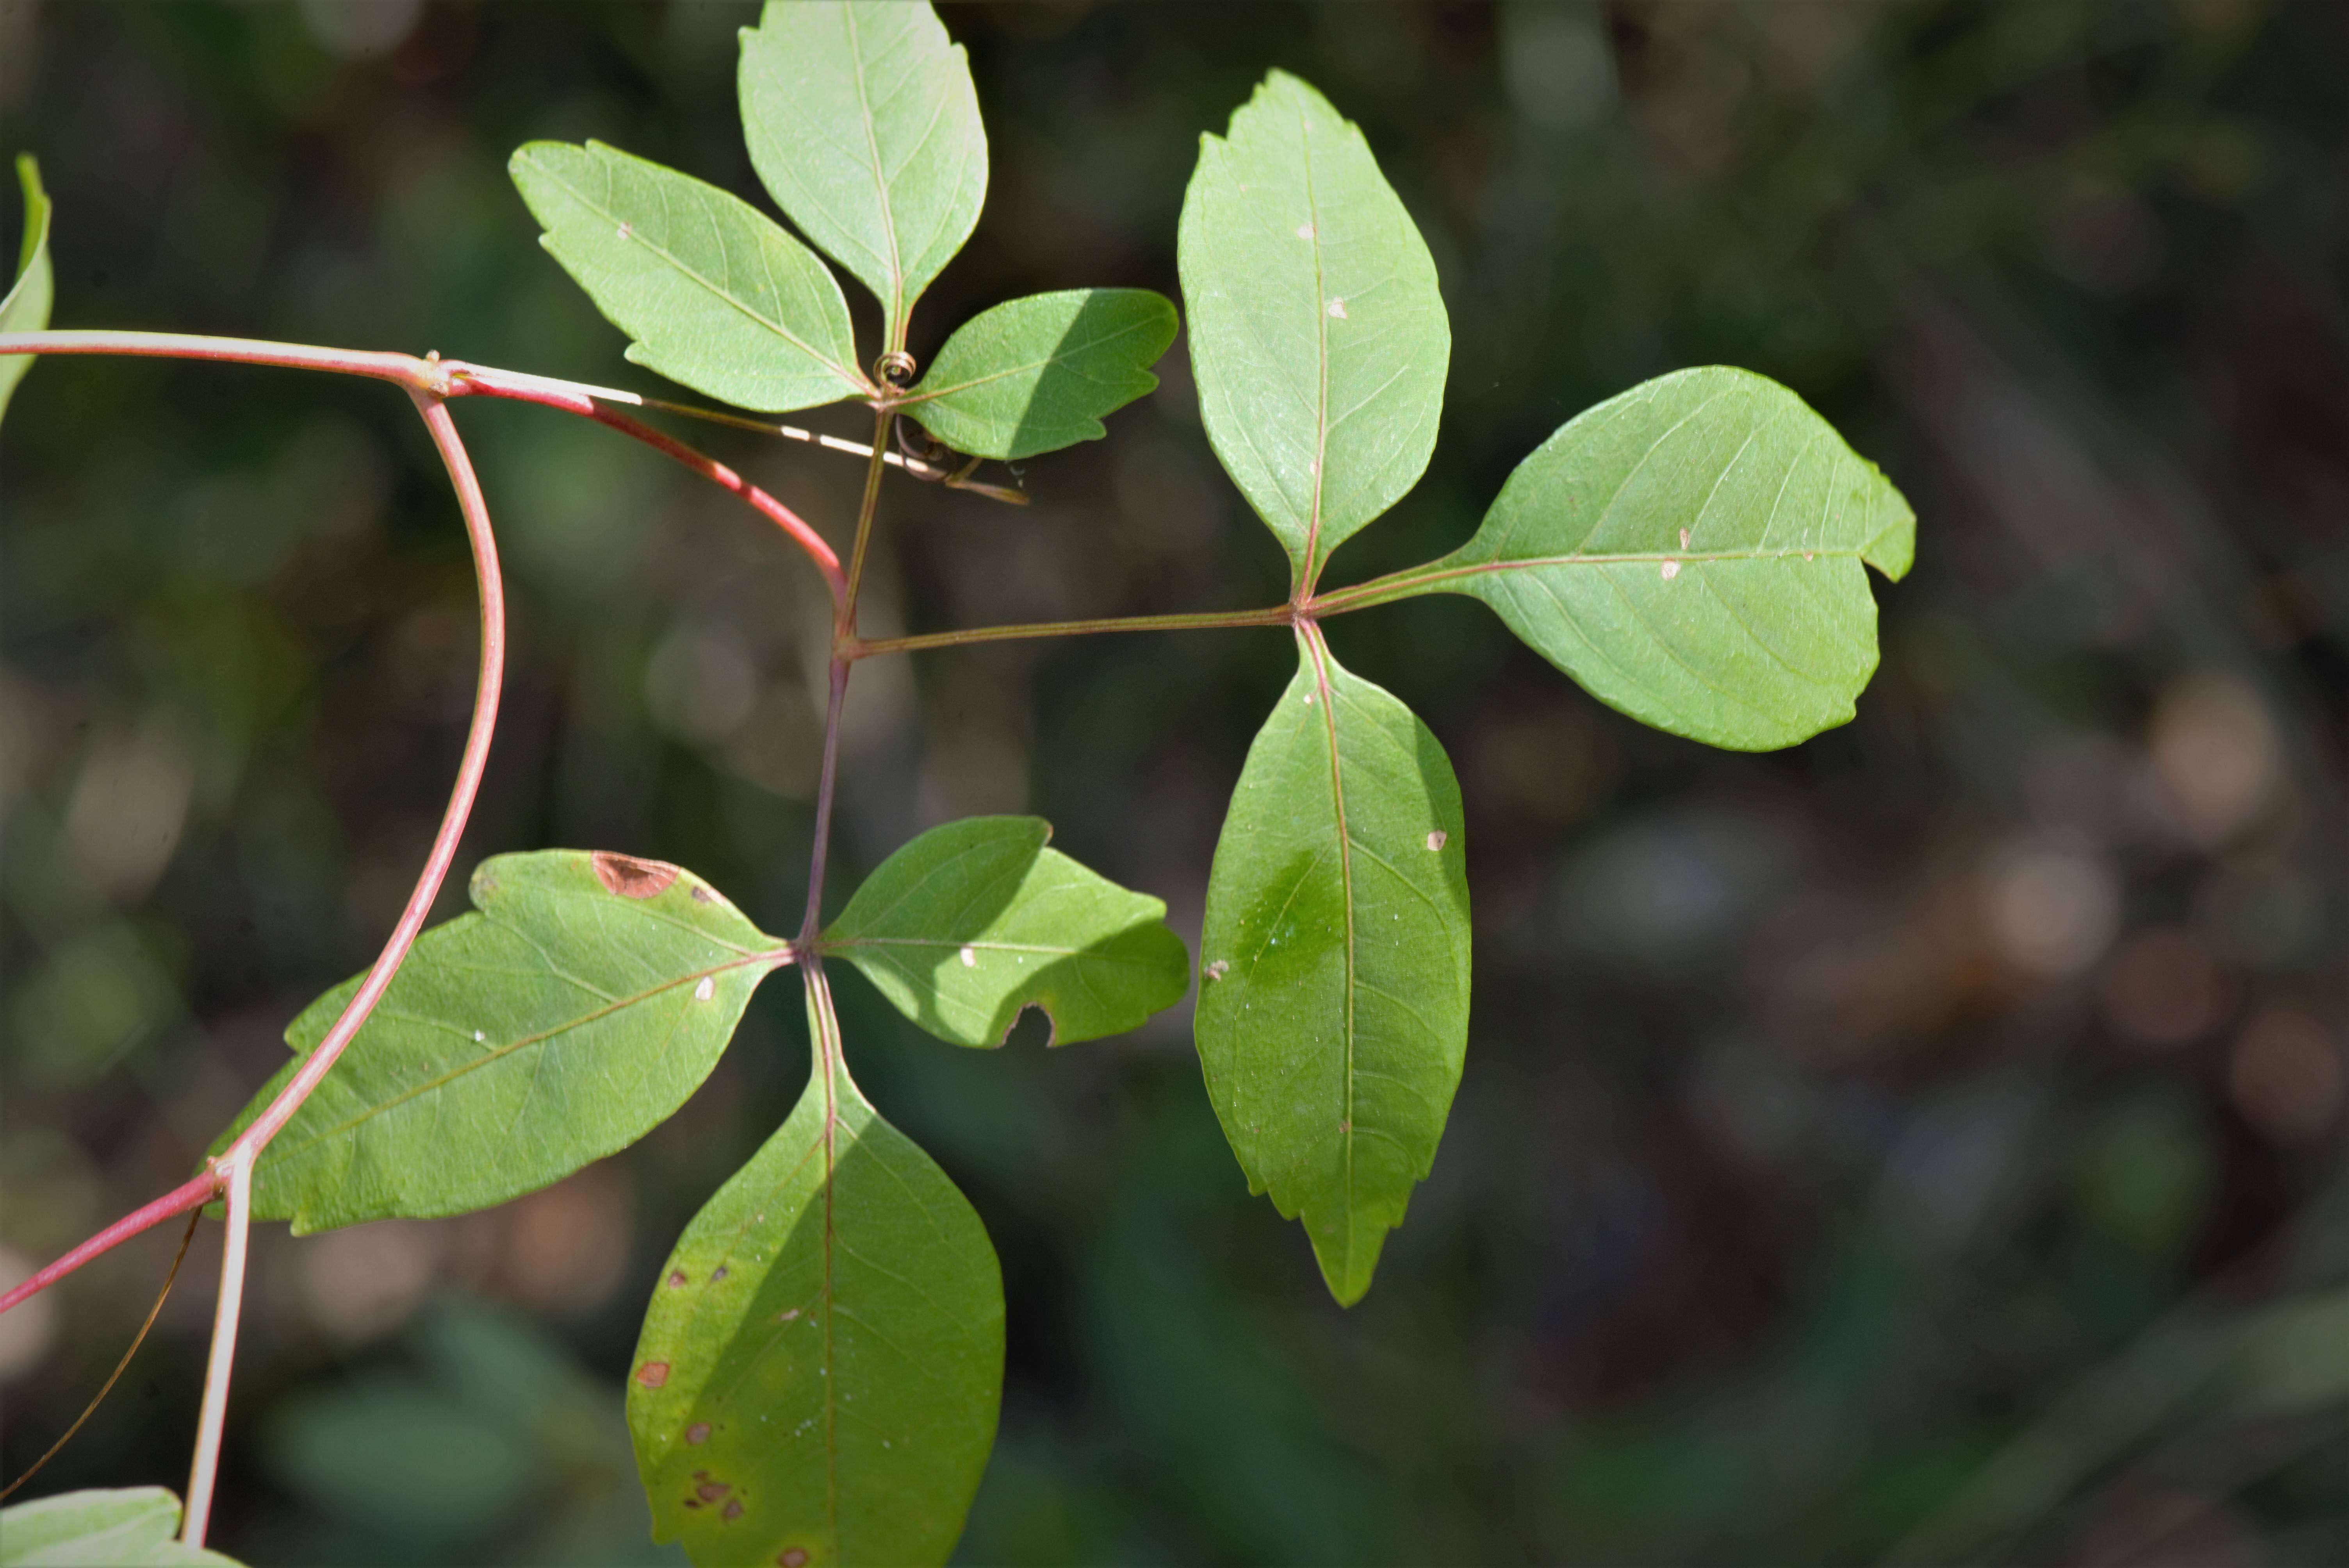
(1052,1025)
(630,877)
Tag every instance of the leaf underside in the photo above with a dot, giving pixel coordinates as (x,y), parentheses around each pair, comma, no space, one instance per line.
(863,123)
(1317,337)
(26,305)
(820,1369)
(1034,375)
(973,922)
(1693,554)
(714,294)
(586,1000)
(134,1527)
(1333,992)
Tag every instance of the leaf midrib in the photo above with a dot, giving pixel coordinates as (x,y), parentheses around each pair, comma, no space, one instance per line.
(1318,652)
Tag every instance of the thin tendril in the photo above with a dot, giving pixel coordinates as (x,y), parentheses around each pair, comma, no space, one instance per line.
(120,1366)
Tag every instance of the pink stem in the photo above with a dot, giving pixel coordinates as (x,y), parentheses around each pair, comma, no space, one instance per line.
(178,1201)
(206,1464)
(265,1126)
(439,379)
(404,368)
(463,378)
(240,1154)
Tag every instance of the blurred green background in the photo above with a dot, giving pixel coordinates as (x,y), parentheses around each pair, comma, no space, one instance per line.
(1924,1145)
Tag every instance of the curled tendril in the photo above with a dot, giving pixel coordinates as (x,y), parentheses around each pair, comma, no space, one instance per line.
(932,451)
(895,369)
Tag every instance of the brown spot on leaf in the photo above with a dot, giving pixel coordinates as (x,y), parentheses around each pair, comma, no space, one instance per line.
(630,877)
(718,1273)
(653,1374)
(711,1490)
(697,1433)
(793,1557)
(676,1280)
(733,1510)
(787,1315)
(703,896)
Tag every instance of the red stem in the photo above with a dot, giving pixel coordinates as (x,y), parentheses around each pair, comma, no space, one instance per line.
(464,378)
(254,1138)
(439,379)
(189,1194)
(248,1145)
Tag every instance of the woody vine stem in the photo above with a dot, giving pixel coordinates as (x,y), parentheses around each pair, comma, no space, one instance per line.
(432,383)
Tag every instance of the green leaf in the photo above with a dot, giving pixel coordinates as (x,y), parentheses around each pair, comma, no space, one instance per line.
(589,997)
(863,124)
(1691,552)
(135,1526)
(971,923)
(714,293)
(1317,337)
(1333,989)
(26,306)
(822,1362)
(1037,374)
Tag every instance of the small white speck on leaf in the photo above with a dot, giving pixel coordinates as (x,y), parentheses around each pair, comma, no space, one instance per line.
(706,990)
(1219,969)
(1338,308)
(479,1037)
(1672,570)
(969,958)
(626,229)
(1683,539)
(1436,840)
(1309,699)
(1304,231)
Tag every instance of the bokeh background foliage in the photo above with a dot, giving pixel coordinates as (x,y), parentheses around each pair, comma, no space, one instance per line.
(1924,1144)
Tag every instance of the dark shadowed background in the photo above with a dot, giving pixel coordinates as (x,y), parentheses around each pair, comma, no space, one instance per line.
(1924,1144)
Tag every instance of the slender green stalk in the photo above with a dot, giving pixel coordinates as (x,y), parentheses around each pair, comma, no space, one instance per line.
(1385,590)
(883,418)
(1274,615)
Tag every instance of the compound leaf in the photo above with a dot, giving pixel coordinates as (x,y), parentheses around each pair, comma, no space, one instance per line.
(587,997)
(135,1526)
(863,122)
(1037,374)
(26,306)
(1317,336)
(1333,989)
(713,292)
(820,1365)
(1692,551)
(971,923)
